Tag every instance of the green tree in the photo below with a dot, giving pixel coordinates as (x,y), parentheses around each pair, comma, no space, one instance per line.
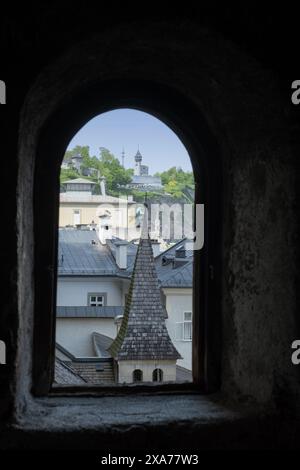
(116,176)
(83,151)
(106,165)
(177,182)
(68,174)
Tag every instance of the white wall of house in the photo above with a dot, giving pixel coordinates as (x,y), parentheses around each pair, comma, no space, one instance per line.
(75,334)
(125,289)
(126,368)
(179,301)
(73,291)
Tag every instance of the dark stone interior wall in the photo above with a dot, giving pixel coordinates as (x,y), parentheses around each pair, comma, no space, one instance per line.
(228,65)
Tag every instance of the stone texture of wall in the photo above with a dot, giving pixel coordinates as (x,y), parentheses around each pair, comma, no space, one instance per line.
(247,114)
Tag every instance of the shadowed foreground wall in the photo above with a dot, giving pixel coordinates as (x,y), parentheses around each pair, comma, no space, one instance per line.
(242,104)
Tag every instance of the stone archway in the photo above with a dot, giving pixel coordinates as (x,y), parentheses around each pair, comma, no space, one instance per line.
(222,105)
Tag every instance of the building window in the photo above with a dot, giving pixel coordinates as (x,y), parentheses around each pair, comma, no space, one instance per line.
(184,328)
(137,375)
(76,217)
(157,375)
(96,300)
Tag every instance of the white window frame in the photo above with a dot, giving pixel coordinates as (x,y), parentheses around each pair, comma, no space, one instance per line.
(180,326)
(96,302)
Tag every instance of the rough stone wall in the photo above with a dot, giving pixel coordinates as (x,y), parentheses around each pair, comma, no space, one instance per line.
(242,103)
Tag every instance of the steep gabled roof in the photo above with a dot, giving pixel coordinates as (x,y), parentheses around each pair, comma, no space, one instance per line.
(101,344)
(143,334)
(78,255)
(82,254)
(65,374)
(77,371)
(79,181)
(179,277)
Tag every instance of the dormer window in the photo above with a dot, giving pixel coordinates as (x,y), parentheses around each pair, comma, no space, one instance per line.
(96,300)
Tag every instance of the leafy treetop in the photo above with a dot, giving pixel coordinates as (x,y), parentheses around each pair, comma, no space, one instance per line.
(176,182)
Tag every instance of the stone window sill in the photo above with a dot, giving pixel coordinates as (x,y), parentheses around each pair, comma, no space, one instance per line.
(140,422)
(72,413)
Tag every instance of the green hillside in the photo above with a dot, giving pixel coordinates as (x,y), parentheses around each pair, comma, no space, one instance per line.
(177,184)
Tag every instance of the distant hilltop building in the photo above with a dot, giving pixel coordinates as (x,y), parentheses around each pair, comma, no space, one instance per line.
(76,163)
(141,179)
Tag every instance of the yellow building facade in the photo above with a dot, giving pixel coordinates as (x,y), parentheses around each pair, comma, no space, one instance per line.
(78,206)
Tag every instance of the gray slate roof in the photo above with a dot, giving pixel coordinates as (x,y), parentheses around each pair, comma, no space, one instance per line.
(79,257)
(131,254)
(79,181)
(65,374)
(77,371)
(180,277)
(96,372)
(168,276)
(143,334)
(101,344)
(89,312)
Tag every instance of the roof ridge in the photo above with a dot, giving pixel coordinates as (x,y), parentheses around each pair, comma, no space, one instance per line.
(170,248)
(69,368)
(177,270)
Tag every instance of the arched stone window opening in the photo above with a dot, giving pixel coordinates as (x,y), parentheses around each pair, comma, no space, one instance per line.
(99,246)
(186,120)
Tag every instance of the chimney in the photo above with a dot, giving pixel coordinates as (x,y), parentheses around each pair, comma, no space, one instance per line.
(121,254)
(155,247)
(180,252)
(118,321)
(104,229)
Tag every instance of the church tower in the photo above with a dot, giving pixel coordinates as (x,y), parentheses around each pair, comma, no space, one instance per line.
(139,169)
(143,350)
(138,160)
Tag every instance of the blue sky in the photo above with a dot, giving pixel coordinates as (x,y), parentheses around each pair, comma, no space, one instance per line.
(128,128)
